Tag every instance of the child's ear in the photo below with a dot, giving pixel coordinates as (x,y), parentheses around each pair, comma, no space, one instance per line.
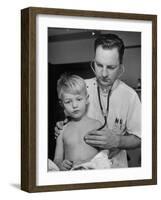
(61,104)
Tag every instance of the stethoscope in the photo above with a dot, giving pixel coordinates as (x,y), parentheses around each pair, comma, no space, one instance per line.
(104,113)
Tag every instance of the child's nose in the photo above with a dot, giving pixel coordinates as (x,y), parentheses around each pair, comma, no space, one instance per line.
(74,104)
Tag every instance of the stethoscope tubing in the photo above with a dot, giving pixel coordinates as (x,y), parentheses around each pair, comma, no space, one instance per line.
(107,109)
(108,102)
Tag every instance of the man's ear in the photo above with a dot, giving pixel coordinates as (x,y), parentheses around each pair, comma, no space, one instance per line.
(122,70)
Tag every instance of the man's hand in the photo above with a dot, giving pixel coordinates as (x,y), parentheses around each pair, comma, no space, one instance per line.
(66,165)
(103,139)
(59,127)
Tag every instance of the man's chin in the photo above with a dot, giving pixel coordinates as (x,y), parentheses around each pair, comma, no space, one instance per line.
(105,83)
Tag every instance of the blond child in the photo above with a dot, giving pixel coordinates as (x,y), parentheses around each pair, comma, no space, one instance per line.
(71,148)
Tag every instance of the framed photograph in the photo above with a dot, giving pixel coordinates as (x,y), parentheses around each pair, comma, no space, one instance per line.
(96,74)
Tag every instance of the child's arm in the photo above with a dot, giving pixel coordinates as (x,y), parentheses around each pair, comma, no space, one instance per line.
(59,155)
(59,151)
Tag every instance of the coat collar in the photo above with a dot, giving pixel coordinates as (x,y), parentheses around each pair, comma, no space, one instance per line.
(115,84)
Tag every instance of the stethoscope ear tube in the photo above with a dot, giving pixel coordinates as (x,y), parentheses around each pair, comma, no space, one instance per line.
(92,67)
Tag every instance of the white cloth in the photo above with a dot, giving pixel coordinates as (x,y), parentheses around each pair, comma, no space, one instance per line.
(124,106)
(52,166)
(100,161)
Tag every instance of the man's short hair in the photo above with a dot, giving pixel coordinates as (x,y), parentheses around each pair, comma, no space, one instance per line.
(109,41)
(70,83)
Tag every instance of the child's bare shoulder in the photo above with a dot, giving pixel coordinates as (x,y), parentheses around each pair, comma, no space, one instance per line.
(64,131)
(68,128)
(95,123)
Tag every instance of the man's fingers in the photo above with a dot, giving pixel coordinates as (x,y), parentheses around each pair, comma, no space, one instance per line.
(57,132)
(65,121)
(94,132)
(94,137)
(59,125)
(94,142)
(58,128)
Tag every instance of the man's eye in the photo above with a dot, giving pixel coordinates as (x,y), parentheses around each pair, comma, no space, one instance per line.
(112,66)
(99,65)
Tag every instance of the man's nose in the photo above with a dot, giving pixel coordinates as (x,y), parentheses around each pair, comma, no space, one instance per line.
(104,71)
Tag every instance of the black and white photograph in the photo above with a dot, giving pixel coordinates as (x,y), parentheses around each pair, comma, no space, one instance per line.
(94,99)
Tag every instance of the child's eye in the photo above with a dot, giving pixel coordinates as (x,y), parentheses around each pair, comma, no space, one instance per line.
(66,102)
(79,99)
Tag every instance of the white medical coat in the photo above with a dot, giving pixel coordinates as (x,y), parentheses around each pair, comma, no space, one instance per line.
(124,112)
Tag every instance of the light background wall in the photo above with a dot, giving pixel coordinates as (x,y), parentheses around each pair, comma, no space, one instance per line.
(10,99)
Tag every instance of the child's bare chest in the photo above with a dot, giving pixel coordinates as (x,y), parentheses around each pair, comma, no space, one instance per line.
(75,136)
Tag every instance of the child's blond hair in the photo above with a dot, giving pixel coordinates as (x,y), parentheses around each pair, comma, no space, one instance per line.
(73,84)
